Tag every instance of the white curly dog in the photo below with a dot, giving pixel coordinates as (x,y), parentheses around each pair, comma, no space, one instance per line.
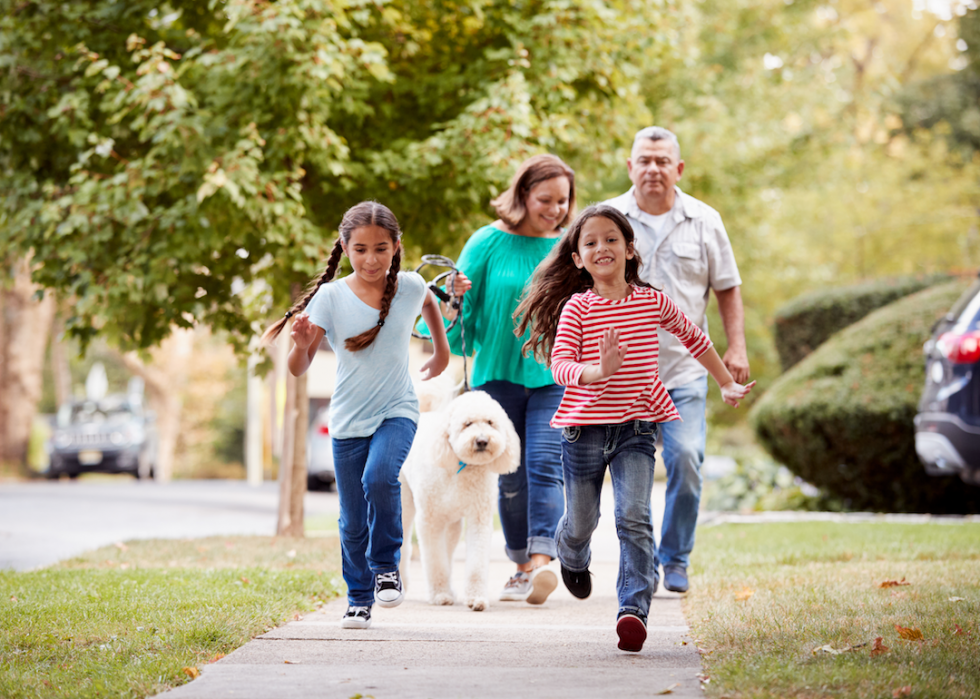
(451,475)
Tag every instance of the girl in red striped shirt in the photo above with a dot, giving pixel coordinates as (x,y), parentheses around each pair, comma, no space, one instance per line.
(595,322)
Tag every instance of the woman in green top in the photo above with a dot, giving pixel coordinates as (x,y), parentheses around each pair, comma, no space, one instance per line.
(499,259)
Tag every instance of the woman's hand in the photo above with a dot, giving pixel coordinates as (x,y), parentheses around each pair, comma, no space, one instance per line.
(732,392)
(303,332)
(458,284)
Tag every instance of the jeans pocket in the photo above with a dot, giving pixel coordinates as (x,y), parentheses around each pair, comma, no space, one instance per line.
(571,434)
(648,428)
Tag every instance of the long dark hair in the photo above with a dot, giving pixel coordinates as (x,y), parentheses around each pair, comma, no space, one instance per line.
(557,278)
(367,213)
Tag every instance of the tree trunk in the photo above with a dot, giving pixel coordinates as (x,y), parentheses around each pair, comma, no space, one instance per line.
(60,368)
(24,326)
(292,466)
(165,381)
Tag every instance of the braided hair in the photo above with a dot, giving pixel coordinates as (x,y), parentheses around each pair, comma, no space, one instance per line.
(367,213)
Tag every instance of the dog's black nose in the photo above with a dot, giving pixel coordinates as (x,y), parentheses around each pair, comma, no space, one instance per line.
(481,443)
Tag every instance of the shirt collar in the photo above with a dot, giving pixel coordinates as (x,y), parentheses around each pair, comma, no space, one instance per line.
(679,211)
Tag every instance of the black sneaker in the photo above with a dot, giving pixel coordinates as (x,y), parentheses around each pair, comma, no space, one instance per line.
(388,589)
(578,582)
(356,618)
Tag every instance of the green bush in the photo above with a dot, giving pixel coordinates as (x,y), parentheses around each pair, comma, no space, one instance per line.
(842,418)
(809,320)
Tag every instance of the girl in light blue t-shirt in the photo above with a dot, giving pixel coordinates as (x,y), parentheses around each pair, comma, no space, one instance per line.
(368,318)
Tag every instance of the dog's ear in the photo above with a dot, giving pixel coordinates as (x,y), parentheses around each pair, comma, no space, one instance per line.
(510,459)
(442,451)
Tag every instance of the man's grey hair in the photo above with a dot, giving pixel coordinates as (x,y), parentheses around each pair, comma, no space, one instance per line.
(656,133)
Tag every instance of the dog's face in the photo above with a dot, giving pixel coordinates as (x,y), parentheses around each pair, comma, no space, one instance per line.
(479,433)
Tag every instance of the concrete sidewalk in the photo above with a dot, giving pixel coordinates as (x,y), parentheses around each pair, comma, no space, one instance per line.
(564,648)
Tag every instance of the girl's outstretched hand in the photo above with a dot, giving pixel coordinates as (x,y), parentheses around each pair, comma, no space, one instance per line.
(303,332)
(733,392)
(611,354)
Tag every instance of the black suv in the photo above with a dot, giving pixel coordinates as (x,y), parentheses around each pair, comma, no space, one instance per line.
(947,428)
(111,435)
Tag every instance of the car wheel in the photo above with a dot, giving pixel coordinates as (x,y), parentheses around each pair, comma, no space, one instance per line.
(73,475)
(53,475)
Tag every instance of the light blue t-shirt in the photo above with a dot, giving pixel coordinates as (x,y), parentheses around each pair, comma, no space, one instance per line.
(373,384)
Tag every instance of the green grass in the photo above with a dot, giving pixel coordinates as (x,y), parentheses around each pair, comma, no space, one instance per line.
(764,597)
(126,620)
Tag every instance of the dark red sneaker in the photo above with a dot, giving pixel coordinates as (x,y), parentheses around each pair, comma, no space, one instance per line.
(632,633)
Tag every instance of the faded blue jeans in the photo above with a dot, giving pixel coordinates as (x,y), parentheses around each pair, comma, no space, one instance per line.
(370,504)
(629,449)
(531,500)
(683,452)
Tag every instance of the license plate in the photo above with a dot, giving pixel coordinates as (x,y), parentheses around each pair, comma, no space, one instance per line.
(89,458)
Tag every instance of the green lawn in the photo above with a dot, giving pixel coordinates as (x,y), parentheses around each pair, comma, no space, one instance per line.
(764,597)
(136,619)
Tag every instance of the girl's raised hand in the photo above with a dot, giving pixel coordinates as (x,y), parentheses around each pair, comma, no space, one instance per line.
(611,354)
(303,332)
(733,392)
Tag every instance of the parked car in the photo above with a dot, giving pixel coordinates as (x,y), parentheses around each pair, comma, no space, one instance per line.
(947,426)
(111,435)
(319,454)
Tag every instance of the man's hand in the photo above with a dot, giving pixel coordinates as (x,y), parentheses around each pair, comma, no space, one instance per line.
(737,362)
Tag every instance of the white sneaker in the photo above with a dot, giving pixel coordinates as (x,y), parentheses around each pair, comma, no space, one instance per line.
(517,588)
(356,618)
(388,589)
(543,583)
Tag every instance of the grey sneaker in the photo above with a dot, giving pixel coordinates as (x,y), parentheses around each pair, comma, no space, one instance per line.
(517,588)
(543,583)
(356,618)
(388,590)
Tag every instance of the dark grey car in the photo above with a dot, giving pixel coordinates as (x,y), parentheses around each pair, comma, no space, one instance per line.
(947,427)
(111,435)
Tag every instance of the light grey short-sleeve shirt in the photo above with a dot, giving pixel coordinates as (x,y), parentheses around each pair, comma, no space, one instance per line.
(688,256)
(373,384)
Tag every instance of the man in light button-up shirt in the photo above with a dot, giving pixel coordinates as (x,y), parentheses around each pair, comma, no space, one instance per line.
(685,252)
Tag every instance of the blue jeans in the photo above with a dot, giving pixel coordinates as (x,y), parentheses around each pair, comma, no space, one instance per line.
(370,504)
(531,500)
(683,445)
(629,448)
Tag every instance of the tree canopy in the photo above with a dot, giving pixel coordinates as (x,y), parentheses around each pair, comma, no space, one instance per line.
(159,157)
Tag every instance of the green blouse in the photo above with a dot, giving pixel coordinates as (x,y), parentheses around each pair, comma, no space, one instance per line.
(499,264)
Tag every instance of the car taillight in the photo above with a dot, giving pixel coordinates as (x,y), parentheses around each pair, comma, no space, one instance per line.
(323,429)
(961,349)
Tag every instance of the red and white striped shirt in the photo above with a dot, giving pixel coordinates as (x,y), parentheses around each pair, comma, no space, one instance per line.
(635,391)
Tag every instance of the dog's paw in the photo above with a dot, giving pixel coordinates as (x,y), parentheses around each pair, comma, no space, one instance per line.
(442,598)
(477,604)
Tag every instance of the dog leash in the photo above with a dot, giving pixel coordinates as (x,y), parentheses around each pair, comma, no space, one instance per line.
(454,301)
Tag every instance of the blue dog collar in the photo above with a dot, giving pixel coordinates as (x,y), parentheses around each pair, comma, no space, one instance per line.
(461,467)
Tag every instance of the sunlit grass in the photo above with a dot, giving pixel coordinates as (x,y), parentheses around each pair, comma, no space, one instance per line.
(126,620)
(764,597)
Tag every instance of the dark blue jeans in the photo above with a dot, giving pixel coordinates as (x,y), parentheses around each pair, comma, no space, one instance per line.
(532,499)
(629,448)
(370,504)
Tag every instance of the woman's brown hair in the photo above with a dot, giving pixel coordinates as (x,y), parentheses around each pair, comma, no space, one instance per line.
(511,206)
(367,213)
(557,278)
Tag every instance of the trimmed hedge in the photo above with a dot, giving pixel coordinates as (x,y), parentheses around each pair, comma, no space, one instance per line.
(842,418)
(809,320)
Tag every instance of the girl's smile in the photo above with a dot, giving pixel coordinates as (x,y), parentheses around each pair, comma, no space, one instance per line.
(603,252)
(371,250)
